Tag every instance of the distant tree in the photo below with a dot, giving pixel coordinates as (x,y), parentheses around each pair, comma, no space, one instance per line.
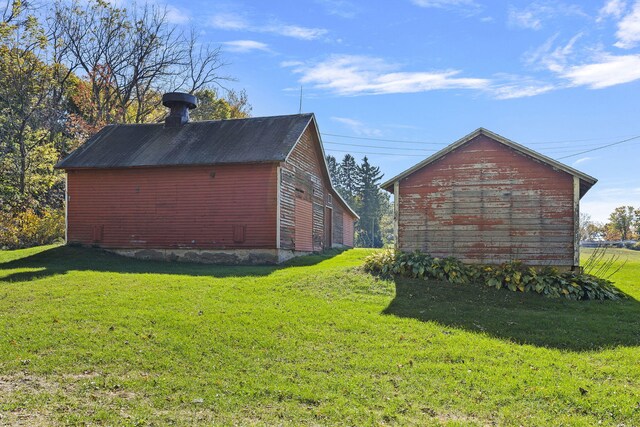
(610,232)
(595,231)
(370,205)
(213,107)
(332,164)
(585,226)
(27,152)
(386,219)
(348,179)
(129,57)
(622,220)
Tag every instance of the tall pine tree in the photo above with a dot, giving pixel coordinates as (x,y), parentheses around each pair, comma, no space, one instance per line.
(348,179)
(358,185)
(370,205)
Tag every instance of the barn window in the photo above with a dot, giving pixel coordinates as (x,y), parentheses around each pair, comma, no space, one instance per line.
(329,200)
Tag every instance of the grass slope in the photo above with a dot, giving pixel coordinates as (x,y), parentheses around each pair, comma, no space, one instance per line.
(88,338)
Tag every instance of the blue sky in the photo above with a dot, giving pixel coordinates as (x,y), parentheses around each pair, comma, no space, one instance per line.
(559,77)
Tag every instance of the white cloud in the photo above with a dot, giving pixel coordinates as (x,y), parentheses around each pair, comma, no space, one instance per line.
(357,127)
(589,66)
(608,70)
(295,31)
(341,8)
(582,160)
(553,59)
(536,14)
(233,21)
(614,8)
(521,90)
(177,16)
(441,4)
(468,7)
(228,21)
(365,75)
(629,29)
(286,64)
(242,46)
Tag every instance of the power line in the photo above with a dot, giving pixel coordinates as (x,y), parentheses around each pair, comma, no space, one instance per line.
(376,146)
(431,151)
(600,148)
(383,140)
(381,154)
(404,141)
(551,149)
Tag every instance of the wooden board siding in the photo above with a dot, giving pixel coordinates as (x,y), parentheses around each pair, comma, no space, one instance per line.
(347,227)
(338,233)
(486,203)
(304,226)
(214,207)
(302,179)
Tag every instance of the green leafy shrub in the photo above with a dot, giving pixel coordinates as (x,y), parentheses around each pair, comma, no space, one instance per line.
(27,228)
(514,275)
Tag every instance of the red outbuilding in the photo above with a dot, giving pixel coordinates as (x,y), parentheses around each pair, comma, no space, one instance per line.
(486,199)
(253,190)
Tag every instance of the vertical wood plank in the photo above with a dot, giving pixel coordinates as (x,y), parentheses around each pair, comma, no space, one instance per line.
(576,222)
(396,212)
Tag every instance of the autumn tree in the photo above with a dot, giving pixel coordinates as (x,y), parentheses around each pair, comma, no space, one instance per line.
(211,106)
(622,220)
(129,57)
(27,152)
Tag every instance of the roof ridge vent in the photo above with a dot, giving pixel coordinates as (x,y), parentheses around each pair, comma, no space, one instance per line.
(180,103)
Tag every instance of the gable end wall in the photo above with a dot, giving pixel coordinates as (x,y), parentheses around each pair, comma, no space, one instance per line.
(302,178)
(486,203)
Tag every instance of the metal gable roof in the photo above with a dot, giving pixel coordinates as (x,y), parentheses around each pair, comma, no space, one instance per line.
(252,140)
(586,181)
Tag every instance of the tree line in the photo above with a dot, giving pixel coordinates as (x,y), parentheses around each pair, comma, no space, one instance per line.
(69,69)
(623,224)
(358,184)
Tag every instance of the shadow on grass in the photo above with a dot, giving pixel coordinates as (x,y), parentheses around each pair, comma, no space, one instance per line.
(520,318)
(60,260)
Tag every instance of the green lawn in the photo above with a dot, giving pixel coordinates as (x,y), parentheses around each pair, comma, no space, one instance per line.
(88,338)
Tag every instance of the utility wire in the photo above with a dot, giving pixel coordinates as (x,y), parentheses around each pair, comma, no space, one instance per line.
(600,148)
(431,151)
(404,141)
(550,149)
(376,146)
(383,140)
(381,154)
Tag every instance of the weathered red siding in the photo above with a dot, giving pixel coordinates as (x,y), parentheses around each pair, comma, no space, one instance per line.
(302,179)
(338,229)
(347,226)
(304,226)
(486,203)
(214,207)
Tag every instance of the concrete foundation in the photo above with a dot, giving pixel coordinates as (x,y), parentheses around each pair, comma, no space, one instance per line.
(213,256)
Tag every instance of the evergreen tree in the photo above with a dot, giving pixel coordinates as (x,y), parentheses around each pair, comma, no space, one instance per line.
(332,163)
(348,179)
(370,205)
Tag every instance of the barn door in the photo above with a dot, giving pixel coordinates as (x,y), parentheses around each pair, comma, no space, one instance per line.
(303,225)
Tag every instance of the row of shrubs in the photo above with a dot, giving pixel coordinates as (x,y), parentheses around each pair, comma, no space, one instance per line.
(513,275)
(28,228)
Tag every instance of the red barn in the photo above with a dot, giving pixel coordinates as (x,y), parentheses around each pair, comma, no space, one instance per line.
(253,190)
(486,199)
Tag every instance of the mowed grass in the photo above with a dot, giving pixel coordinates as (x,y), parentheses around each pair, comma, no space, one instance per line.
(89,338)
